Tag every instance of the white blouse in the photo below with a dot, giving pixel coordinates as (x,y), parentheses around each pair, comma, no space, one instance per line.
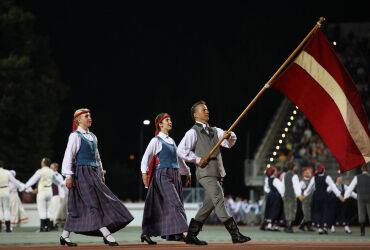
(187,144)
(154,147)
(73,146)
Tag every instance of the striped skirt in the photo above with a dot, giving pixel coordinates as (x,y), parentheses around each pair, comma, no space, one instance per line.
(91,205)
(164,212)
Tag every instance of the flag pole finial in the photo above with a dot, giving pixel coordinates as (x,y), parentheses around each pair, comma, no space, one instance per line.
(321,20)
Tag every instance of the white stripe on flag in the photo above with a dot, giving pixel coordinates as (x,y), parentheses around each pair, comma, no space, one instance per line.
(330,85)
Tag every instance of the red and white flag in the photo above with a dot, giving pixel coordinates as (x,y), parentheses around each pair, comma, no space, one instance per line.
(318,83)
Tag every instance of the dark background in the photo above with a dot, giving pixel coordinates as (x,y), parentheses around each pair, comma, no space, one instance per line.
(127,63)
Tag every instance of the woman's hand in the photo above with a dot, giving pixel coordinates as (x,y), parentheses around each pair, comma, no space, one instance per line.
(69,183)
(145,179)
(188,181)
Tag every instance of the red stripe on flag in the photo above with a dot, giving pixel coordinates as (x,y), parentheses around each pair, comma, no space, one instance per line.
(323,114)
(320,49)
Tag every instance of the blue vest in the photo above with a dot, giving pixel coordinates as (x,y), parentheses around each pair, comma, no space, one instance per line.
(86,156)
(168,156)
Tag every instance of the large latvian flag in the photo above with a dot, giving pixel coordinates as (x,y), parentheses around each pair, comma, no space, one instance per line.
(321,87)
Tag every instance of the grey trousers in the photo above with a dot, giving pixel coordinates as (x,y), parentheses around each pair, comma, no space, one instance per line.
(306,208)
(362,206)
(213,199)
(290,209)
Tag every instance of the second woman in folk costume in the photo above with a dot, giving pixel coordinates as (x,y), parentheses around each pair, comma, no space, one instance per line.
(164,213)
(92,207)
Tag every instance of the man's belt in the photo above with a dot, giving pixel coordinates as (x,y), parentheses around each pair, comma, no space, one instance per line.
(47,186)
(4,186)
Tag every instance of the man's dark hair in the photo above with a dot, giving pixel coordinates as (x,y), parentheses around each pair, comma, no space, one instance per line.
(290,165)
(365,167)
(1,164)
(194,107)
(46,160)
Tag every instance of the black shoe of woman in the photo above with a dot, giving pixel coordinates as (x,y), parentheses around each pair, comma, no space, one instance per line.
(110,243)
(148,240)
(68,243)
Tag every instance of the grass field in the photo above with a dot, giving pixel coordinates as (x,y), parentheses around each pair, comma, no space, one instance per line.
(29,236)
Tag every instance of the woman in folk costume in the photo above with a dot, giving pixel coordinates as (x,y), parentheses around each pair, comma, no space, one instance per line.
(320,198)
(274,203)
(92,208)
(17,213)
(338,215)
(164,213)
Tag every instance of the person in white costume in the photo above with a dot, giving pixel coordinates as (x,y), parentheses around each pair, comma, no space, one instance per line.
(5,178)
(57,198)
(45,177)
(17,213)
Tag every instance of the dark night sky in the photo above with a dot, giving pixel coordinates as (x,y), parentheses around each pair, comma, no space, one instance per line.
(128,63)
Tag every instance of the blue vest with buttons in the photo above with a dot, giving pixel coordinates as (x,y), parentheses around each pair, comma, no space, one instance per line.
(168,156)
(86,156)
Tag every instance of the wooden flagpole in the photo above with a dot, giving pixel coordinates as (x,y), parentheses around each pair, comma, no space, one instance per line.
(267,85)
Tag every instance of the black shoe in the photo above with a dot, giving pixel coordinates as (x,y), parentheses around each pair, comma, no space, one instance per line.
(193,231)
(301,226)
(147,239)
(309,228)
(42,225)
(7,224)
(64,242)
(179,237)
(263,227)
(175,237)
(110,243)
(233,229)
(288,230)
(51,226)
(362,228)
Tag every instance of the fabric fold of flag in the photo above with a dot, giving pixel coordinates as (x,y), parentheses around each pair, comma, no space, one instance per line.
(318,83)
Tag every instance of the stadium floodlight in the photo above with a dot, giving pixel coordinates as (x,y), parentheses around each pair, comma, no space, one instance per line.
(146,122)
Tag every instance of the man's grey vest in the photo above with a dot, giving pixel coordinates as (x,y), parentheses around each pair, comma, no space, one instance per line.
(363,186)
(205,143)
(288,183)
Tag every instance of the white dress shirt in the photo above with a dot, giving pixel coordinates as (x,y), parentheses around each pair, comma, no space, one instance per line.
(73,146)
(352,186)
(352,194)
(154,147)
(276,182)
(61,189)
(302,184)
(187,144)
(37,176)
(296,186)
(328,181)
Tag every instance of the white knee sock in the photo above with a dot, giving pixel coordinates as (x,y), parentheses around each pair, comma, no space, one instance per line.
(107,234)
(65,236)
